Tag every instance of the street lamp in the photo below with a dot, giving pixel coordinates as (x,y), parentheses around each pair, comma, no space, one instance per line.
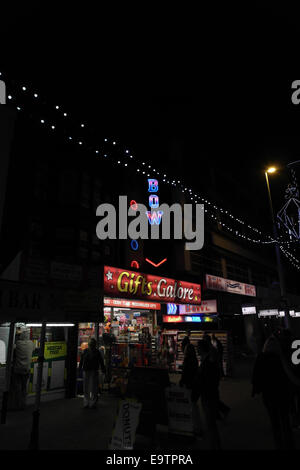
(272,170)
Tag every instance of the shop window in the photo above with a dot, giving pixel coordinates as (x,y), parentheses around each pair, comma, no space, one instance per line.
(207,263)
(83,235)
(96,256)
(237,271)
(64,233)
(85,191)
(55,354)
(83,253)
(95,240)
(97,199)
(259,279)
(68,187)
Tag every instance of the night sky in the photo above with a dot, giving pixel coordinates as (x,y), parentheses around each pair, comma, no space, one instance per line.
(145,75)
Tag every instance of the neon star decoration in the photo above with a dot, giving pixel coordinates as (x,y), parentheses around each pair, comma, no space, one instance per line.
(289,218)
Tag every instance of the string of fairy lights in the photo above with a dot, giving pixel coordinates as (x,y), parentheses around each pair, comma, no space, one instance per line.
(57,118)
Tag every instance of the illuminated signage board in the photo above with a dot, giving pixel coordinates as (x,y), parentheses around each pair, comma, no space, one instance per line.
(172,309)
(294,314)
(154,217)
(173,319)
(125,283)
(268,313)
(226,285)
(187,319)
(249,310)
(131,304)
(206,307)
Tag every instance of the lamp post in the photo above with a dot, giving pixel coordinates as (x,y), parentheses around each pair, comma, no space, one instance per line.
(277,249)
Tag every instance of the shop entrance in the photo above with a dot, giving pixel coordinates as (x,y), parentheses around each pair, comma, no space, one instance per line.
(127,338)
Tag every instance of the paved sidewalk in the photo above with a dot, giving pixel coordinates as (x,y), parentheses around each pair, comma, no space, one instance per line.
(64,424)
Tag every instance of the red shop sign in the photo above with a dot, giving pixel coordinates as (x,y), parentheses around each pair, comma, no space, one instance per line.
(124,283)
(173,319)
(131,304)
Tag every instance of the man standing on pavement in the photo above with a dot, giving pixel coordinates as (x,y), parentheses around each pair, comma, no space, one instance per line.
(23,350)
(91,360)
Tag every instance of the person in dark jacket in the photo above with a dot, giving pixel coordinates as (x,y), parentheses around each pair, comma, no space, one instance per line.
(188,377)
(186,340)
(90,361)
(223,409)
(219,346)
(190,366)
(206,387)
(271,380)
(23,350)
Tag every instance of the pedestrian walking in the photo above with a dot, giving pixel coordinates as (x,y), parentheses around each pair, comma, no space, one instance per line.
(90,362)
(23,350)
(223,409)
(219,347)
(186,340)
(206,387)
(189,367)
(188,377)
(271,380)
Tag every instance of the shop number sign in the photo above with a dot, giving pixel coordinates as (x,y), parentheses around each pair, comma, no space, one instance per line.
(125,283)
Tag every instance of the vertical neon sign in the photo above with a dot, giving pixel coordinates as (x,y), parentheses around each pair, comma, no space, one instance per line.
(154,217)
(134,244)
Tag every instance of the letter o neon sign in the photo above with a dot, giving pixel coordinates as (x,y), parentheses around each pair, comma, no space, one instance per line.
(134,245)
(133,205)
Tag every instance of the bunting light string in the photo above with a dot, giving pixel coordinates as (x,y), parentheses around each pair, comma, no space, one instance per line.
(172,182)
(216,218)
(111,146)
(294,261)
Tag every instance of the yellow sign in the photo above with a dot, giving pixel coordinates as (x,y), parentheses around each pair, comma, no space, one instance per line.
(55,350)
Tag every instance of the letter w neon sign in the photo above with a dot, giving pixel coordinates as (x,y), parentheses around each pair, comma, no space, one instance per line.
(154,217)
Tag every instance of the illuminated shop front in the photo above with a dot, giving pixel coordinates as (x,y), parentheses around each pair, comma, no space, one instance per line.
(54,376)
(133,305)
(198,319)
(23,310)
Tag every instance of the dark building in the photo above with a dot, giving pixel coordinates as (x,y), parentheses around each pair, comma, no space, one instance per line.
(55,186)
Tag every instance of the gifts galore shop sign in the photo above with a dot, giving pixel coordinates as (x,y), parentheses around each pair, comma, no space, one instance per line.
(125,283)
